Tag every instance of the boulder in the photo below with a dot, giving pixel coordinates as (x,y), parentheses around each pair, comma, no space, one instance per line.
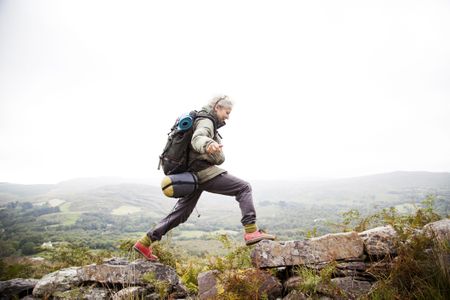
(326,248)
(58,281)
(114,275)
(380,241)
(439,230)
(127,273)
(16,288)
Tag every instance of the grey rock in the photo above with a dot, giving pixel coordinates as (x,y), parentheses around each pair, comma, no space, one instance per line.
(357,270)
(439,230)
(128,274)
(293,283)
(113,274)
(351,287)
(85,293)
(119,261)
(207,284)
(326,248)
(29,297)
(380,241)
(270,287)
(295,295)
(58,281)
(134,292)
(17,287)
(97,293)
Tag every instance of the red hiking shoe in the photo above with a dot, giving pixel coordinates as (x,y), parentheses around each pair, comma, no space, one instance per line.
(145,251)
(257,236)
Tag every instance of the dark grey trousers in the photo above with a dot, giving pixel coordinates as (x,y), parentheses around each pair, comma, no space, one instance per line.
(224,184)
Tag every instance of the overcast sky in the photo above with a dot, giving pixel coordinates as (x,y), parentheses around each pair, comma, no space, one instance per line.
(322,89)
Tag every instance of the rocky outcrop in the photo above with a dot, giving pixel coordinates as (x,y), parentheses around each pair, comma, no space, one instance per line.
(16,288)
(377,242)
(356,259)
(116,278)
(351,262)
(327,248)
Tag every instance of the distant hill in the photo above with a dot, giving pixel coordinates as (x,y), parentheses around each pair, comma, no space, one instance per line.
(98,194)
(99,211)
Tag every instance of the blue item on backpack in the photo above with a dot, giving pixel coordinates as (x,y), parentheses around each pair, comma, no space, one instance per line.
(185,122)
(175,156)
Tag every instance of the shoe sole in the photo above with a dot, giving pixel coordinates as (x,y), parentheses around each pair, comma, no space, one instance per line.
(257,240)
(139,251)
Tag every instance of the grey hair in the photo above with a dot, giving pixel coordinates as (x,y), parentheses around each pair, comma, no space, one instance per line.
(220,101)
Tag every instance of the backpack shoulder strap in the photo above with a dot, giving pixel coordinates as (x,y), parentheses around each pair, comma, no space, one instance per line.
(204,114)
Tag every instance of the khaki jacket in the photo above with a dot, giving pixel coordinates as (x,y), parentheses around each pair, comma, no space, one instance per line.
(204,135)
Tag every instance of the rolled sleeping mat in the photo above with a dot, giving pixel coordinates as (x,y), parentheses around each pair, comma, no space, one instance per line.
(185,122)
(179,185)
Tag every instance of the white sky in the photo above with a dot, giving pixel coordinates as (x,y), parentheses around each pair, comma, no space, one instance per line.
(321,88)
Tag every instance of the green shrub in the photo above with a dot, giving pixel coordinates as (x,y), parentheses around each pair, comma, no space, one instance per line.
(237,256)
(21,267)
(313,281)
(420,271)
(241,284)
(161,286)
(67,255)
(189,271)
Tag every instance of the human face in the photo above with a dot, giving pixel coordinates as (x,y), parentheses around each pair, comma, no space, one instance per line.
(222,113)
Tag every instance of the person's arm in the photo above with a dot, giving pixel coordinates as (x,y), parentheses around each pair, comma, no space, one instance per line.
(204,143)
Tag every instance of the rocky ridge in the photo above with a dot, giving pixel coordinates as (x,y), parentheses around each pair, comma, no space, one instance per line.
(356,258)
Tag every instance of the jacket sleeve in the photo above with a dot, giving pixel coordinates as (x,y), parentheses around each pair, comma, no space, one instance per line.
(203,136)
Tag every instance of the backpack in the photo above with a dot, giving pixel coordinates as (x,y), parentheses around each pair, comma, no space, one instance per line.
(175,156)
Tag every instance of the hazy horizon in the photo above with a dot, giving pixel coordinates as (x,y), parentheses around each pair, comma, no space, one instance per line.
(156,180)
(322,90)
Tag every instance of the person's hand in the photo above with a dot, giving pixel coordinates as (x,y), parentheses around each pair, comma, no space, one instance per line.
(214,148)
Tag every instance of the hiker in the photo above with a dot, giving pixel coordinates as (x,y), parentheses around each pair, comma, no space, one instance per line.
(204,156)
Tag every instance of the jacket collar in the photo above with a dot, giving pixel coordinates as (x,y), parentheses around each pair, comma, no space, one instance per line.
(213,114)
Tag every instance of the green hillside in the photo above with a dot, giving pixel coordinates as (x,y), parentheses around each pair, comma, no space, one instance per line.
(99,212)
